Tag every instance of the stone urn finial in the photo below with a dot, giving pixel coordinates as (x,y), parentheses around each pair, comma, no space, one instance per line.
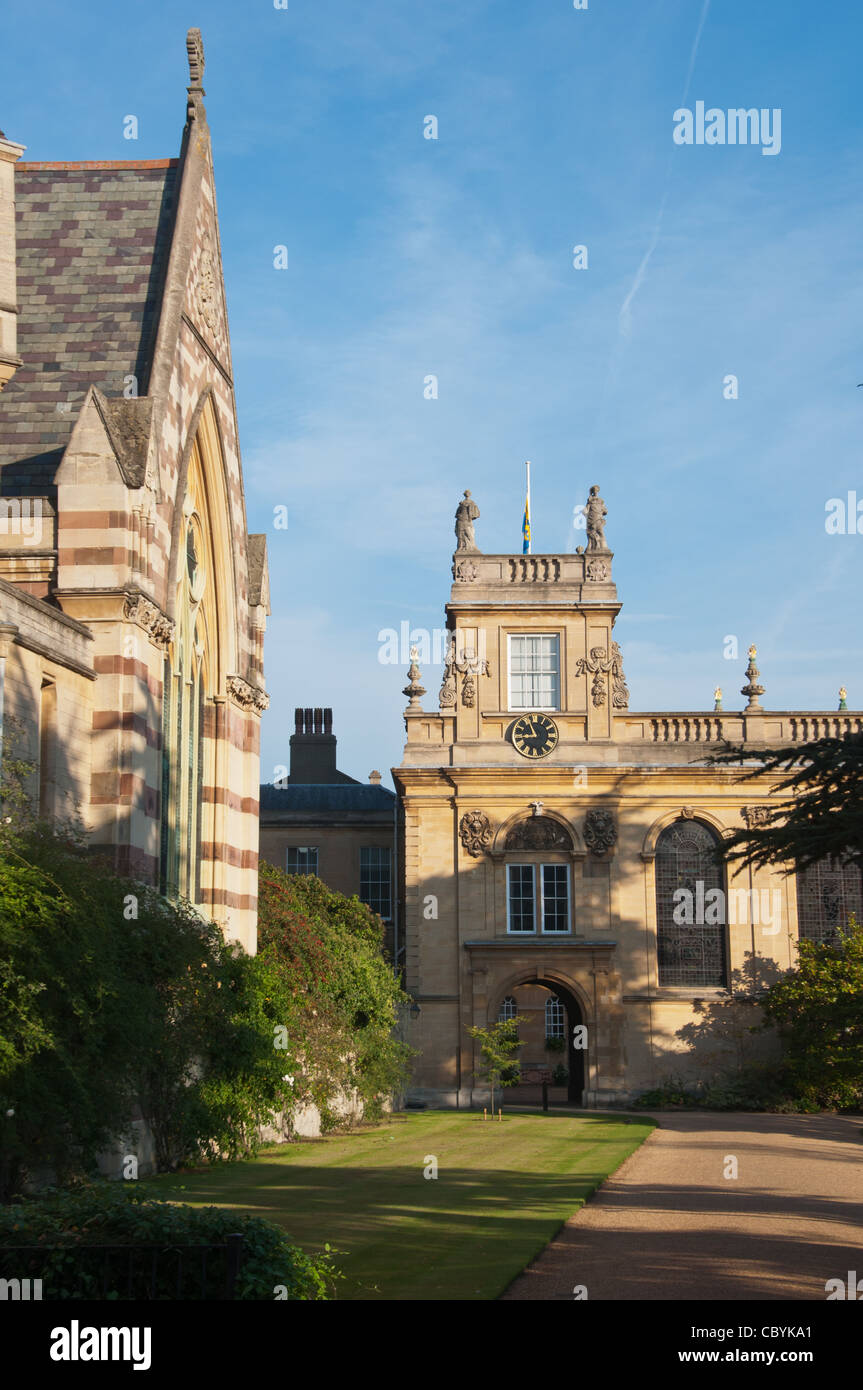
(413,688)
(751,688)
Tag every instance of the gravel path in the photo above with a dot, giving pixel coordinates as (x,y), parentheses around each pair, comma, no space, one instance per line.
(670,1225)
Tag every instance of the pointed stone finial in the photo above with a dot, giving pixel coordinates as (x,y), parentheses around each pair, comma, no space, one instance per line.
(843,698)
(413,688)
(751,688)
(717,698)
(195,50)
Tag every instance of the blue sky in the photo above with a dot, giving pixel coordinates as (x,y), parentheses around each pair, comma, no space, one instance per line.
(453,257)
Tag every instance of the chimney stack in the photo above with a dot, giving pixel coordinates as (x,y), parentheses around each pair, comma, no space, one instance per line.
(10,153)
(313,748)
(375,779)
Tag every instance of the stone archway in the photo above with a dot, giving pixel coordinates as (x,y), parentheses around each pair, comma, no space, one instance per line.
(574,1058)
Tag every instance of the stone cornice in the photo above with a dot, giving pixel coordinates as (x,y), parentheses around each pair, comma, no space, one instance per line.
(533,943)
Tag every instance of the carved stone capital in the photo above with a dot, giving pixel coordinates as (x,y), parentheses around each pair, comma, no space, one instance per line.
(141,610)
(247,696)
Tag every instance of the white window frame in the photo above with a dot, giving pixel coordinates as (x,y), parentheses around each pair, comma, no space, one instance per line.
(303,849)
(553,1004)
(521,865)
(380,849)
(521,709)
(550,931)
(539,928)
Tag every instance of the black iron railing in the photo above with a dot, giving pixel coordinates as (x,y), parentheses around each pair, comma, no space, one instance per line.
(126,1272)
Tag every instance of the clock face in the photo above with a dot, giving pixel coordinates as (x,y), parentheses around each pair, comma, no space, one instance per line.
(534,735)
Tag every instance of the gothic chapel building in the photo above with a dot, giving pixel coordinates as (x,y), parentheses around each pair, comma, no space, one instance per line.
(133,601)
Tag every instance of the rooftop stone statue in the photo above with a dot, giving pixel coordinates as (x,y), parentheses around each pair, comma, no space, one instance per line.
(595,512)
(466,514)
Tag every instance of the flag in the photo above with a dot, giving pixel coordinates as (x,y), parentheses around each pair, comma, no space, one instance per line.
(525,526)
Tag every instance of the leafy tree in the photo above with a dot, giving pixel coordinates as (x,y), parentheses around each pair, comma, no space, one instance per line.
(117,1004)
(114,1003)
(822,814)
(818,1011)
(339,994)
(497,1047)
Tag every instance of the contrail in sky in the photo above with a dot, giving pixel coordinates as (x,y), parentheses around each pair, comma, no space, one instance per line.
(625,316)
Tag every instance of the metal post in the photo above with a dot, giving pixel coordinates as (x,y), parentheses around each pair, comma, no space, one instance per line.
(234,1247)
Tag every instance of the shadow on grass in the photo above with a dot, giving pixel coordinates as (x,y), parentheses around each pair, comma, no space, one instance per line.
(464,1234)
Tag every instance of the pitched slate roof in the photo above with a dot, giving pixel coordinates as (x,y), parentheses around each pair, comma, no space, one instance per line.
(92,249)
(307,800)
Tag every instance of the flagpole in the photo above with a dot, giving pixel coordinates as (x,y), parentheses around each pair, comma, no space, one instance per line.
(530,537)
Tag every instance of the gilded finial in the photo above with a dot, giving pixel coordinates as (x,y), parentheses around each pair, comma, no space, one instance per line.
(843,698)
(751,688)
(717,698)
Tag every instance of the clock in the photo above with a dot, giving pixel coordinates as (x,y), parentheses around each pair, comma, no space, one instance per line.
(534,735)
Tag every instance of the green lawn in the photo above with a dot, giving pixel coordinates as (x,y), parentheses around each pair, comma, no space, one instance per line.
(503,1190)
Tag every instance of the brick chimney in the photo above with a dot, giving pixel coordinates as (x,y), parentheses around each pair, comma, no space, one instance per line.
(10,153)
(313,749)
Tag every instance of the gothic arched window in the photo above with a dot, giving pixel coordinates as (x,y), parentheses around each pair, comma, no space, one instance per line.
(508,1010)
(690,918)
(183,728)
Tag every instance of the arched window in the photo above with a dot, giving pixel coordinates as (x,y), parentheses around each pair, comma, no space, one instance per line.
(690,919)
(183,726)
(555,1018)
(538,889)
(827,895)
(508,1009)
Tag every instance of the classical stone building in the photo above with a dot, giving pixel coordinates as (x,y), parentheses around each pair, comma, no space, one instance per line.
(558,846)
(317,820)
(132,599)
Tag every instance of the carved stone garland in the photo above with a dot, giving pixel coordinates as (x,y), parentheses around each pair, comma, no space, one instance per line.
(468,668)
(600,662)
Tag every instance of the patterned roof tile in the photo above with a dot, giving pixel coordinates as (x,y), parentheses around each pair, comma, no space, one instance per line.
(92,247)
